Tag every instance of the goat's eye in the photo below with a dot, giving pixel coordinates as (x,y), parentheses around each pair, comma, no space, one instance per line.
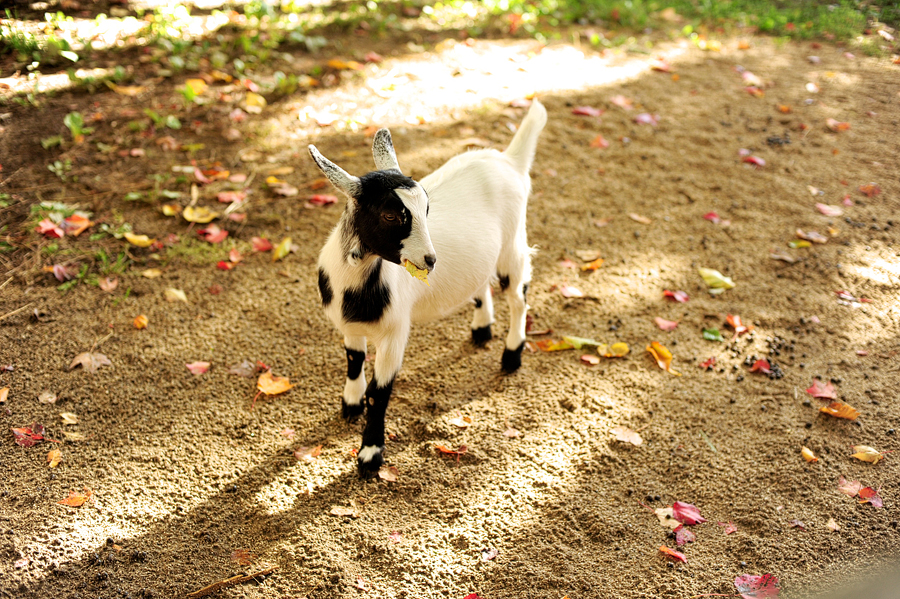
(389,217)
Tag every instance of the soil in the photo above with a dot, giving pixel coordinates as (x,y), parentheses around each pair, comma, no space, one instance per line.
(192,484)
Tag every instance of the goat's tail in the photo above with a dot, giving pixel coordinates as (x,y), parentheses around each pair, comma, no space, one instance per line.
(521,148)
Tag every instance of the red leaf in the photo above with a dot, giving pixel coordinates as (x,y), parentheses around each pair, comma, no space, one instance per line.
(235,255)
(599,142)
(821,391)
(23,437)
(458,452)
(322,199)
(762,366)
(739,327)
(261,244)
(687,513)
(213,234)
(870,189)
(666,325)
(676,555)
(678,296)
(683,535)
(48,228)
(198,367)
(757,587)
(645,118)
(754,160)
(472,596)
(225,265)
(870,495)
(707,365)
(729,527)
(231,196)
(586,111)
(200,176)
(713,217)
(849,487)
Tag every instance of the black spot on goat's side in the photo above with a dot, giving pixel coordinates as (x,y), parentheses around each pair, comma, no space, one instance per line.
(367,303)
(504,282)
(325,288)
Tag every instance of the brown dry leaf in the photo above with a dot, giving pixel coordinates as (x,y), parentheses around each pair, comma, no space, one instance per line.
(840,410)
(388,473)
(76,499)
(54,458)
(639,219)
(243,557)
(68,418)
(343,511)
(90,361)
(626,435)
(808,455)
(140,322)
(273,385)
(308,454)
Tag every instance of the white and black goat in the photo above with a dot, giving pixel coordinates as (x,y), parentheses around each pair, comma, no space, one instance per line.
(464,224)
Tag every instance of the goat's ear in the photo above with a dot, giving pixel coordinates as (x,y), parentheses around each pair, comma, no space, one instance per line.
(340,178)
(383,151)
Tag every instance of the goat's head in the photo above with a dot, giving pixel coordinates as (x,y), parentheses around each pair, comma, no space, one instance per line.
(387,209)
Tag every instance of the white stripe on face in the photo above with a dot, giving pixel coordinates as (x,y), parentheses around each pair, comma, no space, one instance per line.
(418,244)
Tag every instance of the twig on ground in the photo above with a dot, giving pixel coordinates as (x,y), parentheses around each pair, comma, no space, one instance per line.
(6,282)
(229,582)
(16,311)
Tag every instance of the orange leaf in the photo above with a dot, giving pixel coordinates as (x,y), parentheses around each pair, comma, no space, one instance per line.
(140,322)
(676,555)
(593,265)
(662,356)
(54,458)
(457,452)
(626,435)
(76,499)
(808,455)
(4,393)
(551,345)
(273,385)
(840,410)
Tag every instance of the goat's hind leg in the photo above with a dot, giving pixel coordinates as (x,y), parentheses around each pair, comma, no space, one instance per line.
(483,317)
(352,404)
(514,271)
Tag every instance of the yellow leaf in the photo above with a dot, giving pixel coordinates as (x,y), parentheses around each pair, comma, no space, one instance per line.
(175,295)
(280,170)
(200,214)
(76,499)
(808,455)
(716,281)
(126,90)
(4,393)
(282,249)
(840,410)
(662,356)
(68,418)
(151,273)
(171,209)
(867,454)
(593,265)
(54,458)
(551,345)
(140,322)
(140,241)
(273,385)
(416,272)
(254,103)
(198,86)
(616,350)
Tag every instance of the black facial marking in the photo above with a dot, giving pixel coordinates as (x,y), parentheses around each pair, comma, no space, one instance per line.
(325,288)
(355,360)
(525,291)
(504,282)
(367,303)
(512,358)
(478,303)
(377,198)
(482,335)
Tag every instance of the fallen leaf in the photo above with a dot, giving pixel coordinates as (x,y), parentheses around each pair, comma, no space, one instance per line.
(570,291)
(754,160)
(626,435)
(590,359)
(797,524)
(245,369)
(198,367)
(836,125)
(109,284)
(308,454)
(716,281)
(322,199)
(676,555)
(866,453)
(818,390)
(151,273)
(829,210)
(645,118)
(28,436)
(677,296)
(273,385)
(47,397)
(687,514)
(708,364)
(416,272)
(737,324)
(282,249)
(228,197)
(261,244)
(140,322)
(344,512)
(712,335)
(54,457)
(254,103)
(812,236)
(587,255)
(832,525)
(388,473)
(457,452)
(170,209)
(639,219)
(683,535)
(586,111)
(461,421)
(662,356)
(762,366)
(808,455)
(599,142)
(75,225)
(592,266)
(73,436)
(784,256)
(4,394)
(213,234)
(622,102)
(870,189)
(840,410)
(90,361)
(199,214)
(76,499)
(870,496)
(666,325)
(511,433)
(68,418)
(616,350)
(664,514)
(243,557)
(757,587)
(552,345)
(175,295)
(49,229)
(141,241)
(849,487)
(729,527)
(579,342)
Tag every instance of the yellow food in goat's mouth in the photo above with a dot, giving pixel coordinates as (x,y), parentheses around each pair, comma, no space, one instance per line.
(417,272)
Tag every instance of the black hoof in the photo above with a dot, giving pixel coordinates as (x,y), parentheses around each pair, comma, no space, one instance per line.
(352,411)
(482,335)
(370,468)
(512,358)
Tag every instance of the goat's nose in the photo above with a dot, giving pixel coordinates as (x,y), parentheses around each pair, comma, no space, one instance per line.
(430,259)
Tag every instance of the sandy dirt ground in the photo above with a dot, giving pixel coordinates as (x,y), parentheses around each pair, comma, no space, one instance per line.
(191,486)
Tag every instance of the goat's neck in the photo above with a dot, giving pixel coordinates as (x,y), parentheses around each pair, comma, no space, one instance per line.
(354,252)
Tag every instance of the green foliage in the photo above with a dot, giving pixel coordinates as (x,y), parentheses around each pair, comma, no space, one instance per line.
(84,276)
(112,267)
(61,169)
(75,123)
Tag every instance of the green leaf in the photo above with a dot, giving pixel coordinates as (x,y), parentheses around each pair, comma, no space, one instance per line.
(579,342)
(70,55)
(51,142)
(712,335)
(131,196)
(172,122)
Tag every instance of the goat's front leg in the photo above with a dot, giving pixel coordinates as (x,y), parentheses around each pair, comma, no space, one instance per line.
(484,316)
(355,388)
(388,358)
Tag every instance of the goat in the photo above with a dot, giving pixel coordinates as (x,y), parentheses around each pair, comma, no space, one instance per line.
(477,229)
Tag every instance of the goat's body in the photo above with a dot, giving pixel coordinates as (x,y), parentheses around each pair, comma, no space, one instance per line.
(476,221)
